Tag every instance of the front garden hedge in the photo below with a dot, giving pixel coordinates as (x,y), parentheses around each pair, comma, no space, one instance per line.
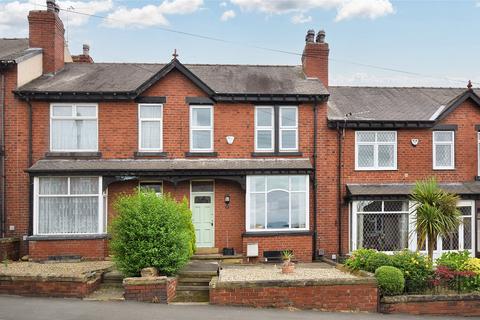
(390,280)
(151,231)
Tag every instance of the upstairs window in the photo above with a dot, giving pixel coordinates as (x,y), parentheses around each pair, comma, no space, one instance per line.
(376,150)
(73,127)
(276,128)
(443,150)
(150,127)
(201,128)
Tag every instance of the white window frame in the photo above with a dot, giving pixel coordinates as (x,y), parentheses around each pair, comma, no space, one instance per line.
(140,120)
(287,128)
(452,151)
(73,117)
(36,197)
(193,128)
(289,229)
(265,128)
(375,151)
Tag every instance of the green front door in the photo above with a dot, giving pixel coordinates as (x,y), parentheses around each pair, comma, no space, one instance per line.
(203,218)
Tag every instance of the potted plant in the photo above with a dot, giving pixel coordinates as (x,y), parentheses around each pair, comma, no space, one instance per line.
(288,266)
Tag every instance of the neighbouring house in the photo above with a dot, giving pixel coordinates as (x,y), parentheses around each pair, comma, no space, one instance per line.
(269,157)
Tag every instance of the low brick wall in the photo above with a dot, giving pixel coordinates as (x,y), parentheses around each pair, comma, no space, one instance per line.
(9,248)
(45,286)
(88,249)
(327,295)
(150,289)
(455,304)
(300,244)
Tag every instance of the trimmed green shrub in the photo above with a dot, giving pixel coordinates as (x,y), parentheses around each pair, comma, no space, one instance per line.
(151,231)
(379,259)
(358,259)
(453,260)
(390,280)
(417,270)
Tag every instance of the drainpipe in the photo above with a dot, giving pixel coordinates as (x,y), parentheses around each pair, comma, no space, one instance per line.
(30,162)
(315,129)
(2,155)
(339,188)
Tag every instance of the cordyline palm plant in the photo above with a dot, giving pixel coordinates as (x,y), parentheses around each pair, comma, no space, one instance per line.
(436,213)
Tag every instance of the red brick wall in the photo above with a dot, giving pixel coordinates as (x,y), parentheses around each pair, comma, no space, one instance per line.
(301,245)
(9,248)
(354,297)
(46,31)
(315,61)
(87,249)
(49,288)
(151,292)
(469,307)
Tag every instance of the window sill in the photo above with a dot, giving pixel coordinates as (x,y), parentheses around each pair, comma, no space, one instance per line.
(68,237)
(289,233)
(142,154)
(443,169)
(74,155)
(201,154)
(376,169)
(276,154)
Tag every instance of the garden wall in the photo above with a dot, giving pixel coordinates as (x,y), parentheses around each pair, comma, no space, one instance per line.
(454,304)
(9,248)
(50,286)
(326,295)
(150,289)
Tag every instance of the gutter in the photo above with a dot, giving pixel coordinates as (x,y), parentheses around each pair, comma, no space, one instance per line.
(315,184)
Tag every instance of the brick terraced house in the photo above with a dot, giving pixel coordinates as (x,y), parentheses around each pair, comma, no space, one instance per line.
(269,157)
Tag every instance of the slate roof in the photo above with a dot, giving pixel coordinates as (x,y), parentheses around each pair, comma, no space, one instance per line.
(168,165)
(127,77)
(12,50)
(403,189)
(390,103)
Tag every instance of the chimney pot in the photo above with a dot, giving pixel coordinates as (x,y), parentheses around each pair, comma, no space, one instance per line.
(321,36)
(51,6)
(309,38)
(86,50)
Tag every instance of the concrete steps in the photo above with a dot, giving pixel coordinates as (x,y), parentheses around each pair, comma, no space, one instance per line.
(194,279)
(236,259)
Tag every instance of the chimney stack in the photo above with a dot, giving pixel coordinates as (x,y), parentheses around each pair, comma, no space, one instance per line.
(315,56)
(84,57)
(46,31)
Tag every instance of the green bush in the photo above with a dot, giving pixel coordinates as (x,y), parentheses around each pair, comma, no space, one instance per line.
(417,270)
(390,280)
(379,259)
(358,259)
(454,260)
(151,231)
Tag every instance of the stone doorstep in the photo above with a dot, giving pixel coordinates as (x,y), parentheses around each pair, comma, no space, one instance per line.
(431,298)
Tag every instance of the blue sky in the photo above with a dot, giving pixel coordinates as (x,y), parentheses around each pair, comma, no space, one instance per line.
(434,38)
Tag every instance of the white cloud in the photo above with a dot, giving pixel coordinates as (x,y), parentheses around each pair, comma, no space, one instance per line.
(223,4)
(227,15)
(346,9)
(301,18)
(151,15)
(13,14)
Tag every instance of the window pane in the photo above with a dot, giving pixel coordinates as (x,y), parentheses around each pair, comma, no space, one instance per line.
(64,135)
(277,182)
(151,134)
(277,210)
(369,206)
(299,210)
(365,136)
(298,183)
(465,211)
(202,186)
(467,233)
(396,206)
(62,111)
(202,199)
(450,242)
(383,232)
(201,139)
(264,139)
(201,117)
(383,136)
(150,111)
(386,156)
(289,139)
(288,117)
(365,156)
(257,184)
(83,185)
(86,134)
(443,136)
(443,155)
(257,211)
(53,185)
(68,215)
(154,186)
(86,111)
(264,117)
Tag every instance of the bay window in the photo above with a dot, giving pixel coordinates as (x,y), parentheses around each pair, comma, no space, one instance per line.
(375,150)
(277,203)
(68,205)
(150,127)
(73,127)
(201,128)
(443,150)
